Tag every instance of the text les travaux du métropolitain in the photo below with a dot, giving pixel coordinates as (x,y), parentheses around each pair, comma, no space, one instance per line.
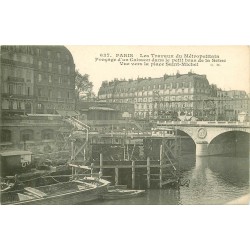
(153,60)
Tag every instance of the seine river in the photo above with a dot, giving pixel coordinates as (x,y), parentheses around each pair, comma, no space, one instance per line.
(213,180)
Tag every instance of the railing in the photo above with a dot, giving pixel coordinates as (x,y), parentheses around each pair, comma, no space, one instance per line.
(107,122)
(15,79)
(18,63)
(42,98)
(78,124)
(209,123)
(19,96)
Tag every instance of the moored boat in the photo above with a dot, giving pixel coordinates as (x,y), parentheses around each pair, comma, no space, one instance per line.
(76,191)
(121,194)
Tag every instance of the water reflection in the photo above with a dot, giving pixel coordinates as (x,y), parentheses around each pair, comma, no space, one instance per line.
(213,180)
(216,180)
(234,171)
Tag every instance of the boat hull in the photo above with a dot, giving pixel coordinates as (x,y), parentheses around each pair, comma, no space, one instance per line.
(68,198)
(113,195)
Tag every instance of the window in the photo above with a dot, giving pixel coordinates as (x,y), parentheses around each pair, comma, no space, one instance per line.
(39,92)
(18,105)
(28,74)
(39,77)
(27,107)
(48,53)
(68,95)
(68,81)
(59,94)
(27,135)
(50,93)
(59,68)
(47,134)
(28,91)
(58,55)
(11,89)
(39,106)
(38,51)
(39,64)
(29,59)
(60,79)
(5,135)
(67,57)
(50,67)
(50,79)
(19,89)
(68,70)
(11,105)
(19,72)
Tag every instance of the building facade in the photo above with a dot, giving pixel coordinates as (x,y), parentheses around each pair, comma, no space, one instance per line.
(54,79)
(188,93)
(17,80)
(36,79)
(229,104)
(37,84)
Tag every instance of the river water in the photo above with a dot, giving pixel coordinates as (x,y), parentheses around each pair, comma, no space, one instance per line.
(213,180)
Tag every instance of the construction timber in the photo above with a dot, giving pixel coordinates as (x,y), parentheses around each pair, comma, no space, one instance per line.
(132,156)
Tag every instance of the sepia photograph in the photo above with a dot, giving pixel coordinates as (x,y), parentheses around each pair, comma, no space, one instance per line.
(124,125)
(128,121)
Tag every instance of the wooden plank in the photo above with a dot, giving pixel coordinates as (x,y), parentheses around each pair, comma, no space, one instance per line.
(24,197)
(35,192)
(168,182)
(116,176)
(148,172)
(80,166)
(133,174)
(169,174)
(117,187)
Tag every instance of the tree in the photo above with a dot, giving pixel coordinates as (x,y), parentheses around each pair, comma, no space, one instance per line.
(82,85)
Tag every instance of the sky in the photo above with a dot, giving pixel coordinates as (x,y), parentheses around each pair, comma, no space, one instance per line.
(233,71)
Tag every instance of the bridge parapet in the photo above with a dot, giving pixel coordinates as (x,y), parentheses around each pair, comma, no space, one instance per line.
(205,123)
(203,132)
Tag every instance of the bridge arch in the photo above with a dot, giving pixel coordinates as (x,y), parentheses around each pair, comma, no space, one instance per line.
(235,143)
(187,131)
(188,144)
(215,132)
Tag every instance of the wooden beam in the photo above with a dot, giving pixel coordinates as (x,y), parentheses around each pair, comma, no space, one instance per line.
(116,176)
(101,164)
(148,172)
(80,148)
(161,158)
(133,174)
(36,192)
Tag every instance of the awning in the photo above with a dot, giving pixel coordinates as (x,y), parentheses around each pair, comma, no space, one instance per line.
(67,112)
(15,152)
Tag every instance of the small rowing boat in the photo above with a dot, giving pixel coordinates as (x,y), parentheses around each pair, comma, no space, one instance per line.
(75,191)
(121,194)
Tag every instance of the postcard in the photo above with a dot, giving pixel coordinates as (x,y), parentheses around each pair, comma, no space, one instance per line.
(124,125)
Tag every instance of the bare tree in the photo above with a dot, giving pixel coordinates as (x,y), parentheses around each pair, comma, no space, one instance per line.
(82,85)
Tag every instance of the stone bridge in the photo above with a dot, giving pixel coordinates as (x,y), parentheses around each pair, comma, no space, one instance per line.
(204,132)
